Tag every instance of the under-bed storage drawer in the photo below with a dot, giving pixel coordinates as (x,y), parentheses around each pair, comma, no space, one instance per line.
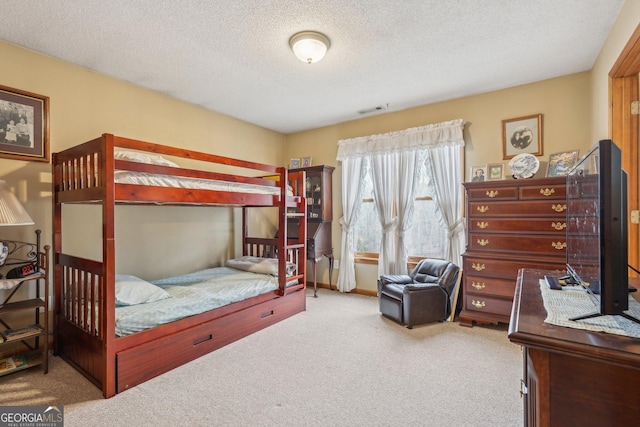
(143,362)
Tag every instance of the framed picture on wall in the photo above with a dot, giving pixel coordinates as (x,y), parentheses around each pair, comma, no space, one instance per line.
(24,125)
(306,162)
(478,173)
(522,135)
(561,163)
(294,164)
(495,171)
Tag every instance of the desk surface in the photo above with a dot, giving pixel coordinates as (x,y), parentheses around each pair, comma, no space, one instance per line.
(527,328)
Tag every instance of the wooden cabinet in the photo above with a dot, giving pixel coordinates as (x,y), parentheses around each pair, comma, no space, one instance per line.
(24,321)
(572,377)
(511,224)
(318,192)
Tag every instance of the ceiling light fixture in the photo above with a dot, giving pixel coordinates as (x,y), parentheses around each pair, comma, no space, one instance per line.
(309,46)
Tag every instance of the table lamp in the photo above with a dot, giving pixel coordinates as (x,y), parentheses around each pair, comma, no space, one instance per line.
(11,213)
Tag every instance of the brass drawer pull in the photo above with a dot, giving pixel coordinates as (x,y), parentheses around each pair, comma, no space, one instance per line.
(558,225)
(492,193)
(482,209)
(477,304)
(478,285)
(547,191)
(482,225)
(559,245)
(559,208)
(483,242)
(478,267)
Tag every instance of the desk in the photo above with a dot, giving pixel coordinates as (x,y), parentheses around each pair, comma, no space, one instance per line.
(572,377)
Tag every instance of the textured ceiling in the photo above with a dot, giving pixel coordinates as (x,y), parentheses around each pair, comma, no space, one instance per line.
(233,57)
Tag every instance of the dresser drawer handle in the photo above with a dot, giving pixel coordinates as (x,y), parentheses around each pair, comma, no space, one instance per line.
(483,242)
(559,245)
(482,209)
(482,225)
(547,191)
(478,267)
(492,193)
(559,208)
(558,225)
(478,285)
(477,304)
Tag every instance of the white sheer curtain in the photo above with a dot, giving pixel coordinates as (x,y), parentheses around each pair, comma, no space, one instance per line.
(394,158)
(445,165)
(353,170)
(384,173)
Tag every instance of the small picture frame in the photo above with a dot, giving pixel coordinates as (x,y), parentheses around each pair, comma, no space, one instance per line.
(294,164)
(478,173)
(24,125)
(561,163)
(495,171)
(522,135)
(306,162)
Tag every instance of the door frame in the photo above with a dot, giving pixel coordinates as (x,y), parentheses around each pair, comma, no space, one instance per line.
(623,128)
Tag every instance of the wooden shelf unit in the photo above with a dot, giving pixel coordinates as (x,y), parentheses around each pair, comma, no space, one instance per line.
(34,346)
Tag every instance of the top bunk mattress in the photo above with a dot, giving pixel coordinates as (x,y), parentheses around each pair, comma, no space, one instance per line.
(156,180)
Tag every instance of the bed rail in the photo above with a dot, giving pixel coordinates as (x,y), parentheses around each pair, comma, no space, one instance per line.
(84,174)
(80,293)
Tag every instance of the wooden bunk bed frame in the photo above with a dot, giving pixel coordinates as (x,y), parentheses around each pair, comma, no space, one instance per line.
(85,289)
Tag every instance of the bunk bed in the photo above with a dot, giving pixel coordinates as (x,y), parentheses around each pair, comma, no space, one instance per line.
(105,171)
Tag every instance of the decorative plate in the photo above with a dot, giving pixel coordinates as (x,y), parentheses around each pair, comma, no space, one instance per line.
(4,252)
(524,166)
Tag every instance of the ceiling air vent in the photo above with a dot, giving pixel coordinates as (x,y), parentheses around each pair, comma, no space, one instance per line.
(374,109)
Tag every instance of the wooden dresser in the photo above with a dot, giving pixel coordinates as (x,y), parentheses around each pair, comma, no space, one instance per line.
(572,377)
(511,224)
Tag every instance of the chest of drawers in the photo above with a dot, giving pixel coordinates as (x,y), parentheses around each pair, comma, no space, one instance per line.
(511,224)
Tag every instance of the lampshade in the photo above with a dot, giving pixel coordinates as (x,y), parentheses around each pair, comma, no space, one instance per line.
(11,210)
(309,46)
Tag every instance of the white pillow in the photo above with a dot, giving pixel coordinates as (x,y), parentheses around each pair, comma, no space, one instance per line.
(135,156)
(260,265)
(131,290)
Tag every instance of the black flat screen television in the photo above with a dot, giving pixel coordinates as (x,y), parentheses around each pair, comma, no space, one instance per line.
(597,234)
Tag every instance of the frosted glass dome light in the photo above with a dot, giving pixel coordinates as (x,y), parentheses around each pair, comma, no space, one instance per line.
(309,46)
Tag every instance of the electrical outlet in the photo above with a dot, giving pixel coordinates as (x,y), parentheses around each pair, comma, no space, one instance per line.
(336,263)
(635,217)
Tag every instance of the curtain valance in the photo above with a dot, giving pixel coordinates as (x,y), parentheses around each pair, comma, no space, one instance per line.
(429,136)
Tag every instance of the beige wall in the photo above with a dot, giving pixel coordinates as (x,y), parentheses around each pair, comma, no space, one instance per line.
(83,105)
(565,103)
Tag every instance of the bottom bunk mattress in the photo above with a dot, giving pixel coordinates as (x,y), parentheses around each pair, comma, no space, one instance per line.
(143,305)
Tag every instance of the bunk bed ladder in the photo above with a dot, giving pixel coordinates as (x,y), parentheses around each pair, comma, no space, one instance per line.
(294,248)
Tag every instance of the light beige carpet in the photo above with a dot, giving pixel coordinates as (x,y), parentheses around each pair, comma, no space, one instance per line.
(337,364)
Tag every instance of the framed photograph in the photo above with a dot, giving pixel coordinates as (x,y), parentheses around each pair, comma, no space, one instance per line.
(24,125)
(478,173)
(495,171)
(306,162)
(522,135)
(561,163)
(295,164)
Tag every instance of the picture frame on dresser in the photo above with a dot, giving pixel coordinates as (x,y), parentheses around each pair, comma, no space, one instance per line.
(24,125)
(495,171)
(478,173)
(294,164)
(561,163)
(522,135)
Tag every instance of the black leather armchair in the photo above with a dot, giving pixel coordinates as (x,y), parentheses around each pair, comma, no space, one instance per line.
(426,295)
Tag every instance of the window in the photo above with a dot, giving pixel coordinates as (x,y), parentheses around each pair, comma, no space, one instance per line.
(426,238)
